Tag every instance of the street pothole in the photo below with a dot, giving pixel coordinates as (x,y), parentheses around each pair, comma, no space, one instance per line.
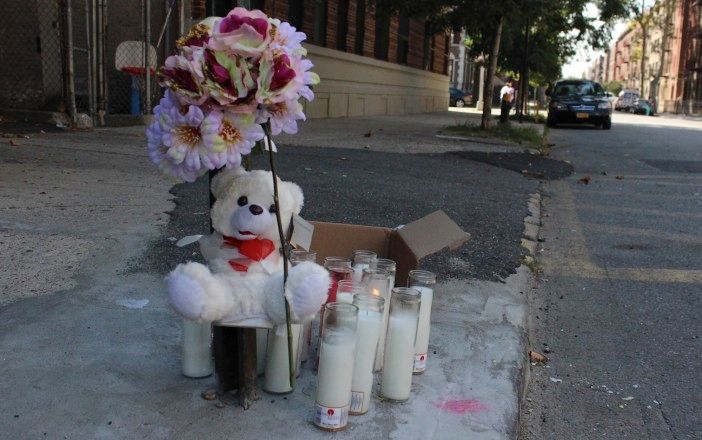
(530,165)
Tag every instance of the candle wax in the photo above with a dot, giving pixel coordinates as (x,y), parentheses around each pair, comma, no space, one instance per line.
(335,370)
(399,356)
(344,297)
(367,336)
(421,347)
(358,272)
(277,378)
(197,345)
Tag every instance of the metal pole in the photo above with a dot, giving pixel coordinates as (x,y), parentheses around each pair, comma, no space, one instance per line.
(91,78)
(69,71)
(181,17)
(100,59)
(147,61)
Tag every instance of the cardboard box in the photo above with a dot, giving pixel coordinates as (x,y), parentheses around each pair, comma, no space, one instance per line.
(405,245)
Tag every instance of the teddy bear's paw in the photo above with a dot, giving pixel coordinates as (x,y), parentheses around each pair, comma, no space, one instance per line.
(185,294)
(196,294)
(309,284)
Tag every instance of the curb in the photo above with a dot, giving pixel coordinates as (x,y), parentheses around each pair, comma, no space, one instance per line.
(530,240)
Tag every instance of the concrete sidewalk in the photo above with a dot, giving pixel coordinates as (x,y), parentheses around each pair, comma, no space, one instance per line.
(90,349)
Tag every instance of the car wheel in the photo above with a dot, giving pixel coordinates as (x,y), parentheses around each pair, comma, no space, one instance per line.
(607,124)
(460,103)
(550,122)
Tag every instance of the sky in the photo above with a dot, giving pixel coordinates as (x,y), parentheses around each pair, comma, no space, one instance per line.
(580,63)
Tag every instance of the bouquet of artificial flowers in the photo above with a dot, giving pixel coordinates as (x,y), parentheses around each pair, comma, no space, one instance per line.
(231,76)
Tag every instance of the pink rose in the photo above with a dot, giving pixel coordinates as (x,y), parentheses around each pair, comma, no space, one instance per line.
(242,32)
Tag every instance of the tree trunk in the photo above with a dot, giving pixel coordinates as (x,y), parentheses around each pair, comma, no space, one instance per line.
(489,81)
(644,37)
(655,84)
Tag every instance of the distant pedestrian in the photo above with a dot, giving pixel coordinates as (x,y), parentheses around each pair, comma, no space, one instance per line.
(506,99)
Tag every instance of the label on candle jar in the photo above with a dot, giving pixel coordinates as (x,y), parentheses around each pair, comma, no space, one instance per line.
(356,401)
(420,362)
(331,418)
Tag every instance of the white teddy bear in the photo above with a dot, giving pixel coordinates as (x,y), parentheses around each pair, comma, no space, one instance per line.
(245,274)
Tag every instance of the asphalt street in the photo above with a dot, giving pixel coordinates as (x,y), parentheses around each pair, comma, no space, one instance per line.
(387,189)
(91,348)
(620,294)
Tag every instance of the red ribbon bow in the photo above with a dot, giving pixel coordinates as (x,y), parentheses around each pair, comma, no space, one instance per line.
(256,250)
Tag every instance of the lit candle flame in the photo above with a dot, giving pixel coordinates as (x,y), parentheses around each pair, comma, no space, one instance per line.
(376,292)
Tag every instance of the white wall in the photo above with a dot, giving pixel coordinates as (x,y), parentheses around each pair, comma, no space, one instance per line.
(352,85)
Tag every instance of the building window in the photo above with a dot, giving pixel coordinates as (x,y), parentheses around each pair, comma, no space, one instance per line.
(342,24)
(295,13)
(403,39)
(382,35)
(320,22)
(360,26)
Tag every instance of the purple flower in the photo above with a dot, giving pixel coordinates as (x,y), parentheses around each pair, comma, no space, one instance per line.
(158,150)
(287,38)
(283,116)
(228,136)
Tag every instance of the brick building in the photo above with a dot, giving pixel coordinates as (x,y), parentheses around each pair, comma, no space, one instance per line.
(680,88)
(369,63)
(64,54)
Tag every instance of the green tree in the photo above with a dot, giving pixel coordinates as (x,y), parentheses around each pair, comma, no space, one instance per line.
(502,32)
(614,87)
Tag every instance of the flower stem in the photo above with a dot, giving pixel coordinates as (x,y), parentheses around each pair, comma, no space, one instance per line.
(284,249)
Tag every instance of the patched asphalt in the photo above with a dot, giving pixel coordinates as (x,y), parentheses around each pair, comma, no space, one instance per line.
(385,189)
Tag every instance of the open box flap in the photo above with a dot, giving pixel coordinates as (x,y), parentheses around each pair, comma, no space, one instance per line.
(431,234)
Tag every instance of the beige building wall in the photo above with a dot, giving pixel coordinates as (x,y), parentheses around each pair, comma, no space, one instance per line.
(353,85)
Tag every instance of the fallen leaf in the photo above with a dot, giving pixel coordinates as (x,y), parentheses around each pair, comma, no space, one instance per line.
(619,177)
(535,356)
(369,134)
(585,180)
(13,143)
(209,395)
(604,173)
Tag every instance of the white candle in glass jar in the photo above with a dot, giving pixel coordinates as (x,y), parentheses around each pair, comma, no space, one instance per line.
(358,271)
(344,297)
(277,377)
(367,336)
(335,371)
(197,349)
(380,350)
(399,356)
(421,346)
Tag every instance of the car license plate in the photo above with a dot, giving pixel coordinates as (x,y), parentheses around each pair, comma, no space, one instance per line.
(582,115)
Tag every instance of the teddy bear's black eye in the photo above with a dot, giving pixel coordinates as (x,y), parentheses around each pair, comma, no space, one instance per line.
(242,201)
(272,209)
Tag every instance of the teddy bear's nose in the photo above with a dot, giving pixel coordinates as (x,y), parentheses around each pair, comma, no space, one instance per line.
(256,210)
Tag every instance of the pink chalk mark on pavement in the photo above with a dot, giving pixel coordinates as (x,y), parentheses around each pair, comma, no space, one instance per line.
(462,406)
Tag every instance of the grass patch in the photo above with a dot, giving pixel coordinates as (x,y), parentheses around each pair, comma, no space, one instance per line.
(528,136)
(533,118)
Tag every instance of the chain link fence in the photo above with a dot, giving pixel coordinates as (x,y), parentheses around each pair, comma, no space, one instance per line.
(86,56)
